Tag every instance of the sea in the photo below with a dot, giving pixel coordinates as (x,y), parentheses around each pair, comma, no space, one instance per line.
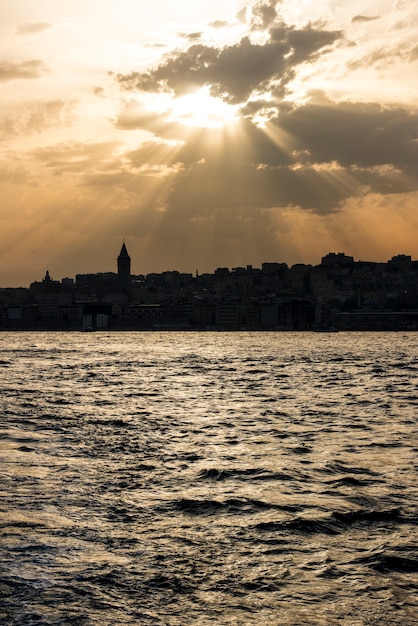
(208,478)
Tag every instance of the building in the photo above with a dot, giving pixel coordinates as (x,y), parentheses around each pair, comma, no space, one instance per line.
(124,268)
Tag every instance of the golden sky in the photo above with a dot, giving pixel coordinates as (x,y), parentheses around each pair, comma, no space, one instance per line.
(207,134)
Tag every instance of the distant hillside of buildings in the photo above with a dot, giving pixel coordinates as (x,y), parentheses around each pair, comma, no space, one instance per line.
(337,294)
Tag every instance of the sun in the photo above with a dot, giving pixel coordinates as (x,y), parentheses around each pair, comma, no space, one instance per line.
(201,110)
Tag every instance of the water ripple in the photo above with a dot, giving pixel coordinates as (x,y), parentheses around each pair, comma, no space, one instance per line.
(213,478)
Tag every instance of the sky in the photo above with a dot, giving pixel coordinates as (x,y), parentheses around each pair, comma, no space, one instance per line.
(205,134)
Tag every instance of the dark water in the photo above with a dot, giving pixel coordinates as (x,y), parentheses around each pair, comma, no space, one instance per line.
(230,478)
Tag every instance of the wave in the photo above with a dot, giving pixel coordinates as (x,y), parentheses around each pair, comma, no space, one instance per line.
(251,473)
(387,562)
(343,468)
(336,523)
(350,481)
(231,505)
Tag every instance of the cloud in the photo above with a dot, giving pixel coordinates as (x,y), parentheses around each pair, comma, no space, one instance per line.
(364,18)
(219,24)
(17,70)
(37,118)
(77,157)
(222,70)
(314,157)
(194,36)
(262,14)
(387,56)
(33,28)
(234,72)
(267,169)
(135,115)
(353,133)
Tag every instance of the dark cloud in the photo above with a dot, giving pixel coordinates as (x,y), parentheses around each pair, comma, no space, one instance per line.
(234,72)
(16,70)
(263,14)
(33,28)
(353,133)
(260,16)
(307,43)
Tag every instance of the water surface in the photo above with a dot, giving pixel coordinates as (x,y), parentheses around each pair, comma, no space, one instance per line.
(209,478)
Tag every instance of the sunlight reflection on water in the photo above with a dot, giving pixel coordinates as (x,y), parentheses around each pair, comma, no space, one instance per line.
(209,478)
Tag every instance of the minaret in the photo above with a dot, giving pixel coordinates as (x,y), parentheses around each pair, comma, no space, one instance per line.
(124,267)
(47,278)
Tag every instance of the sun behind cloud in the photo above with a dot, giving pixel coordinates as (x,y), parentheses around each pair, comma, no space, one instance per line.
(200,109)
